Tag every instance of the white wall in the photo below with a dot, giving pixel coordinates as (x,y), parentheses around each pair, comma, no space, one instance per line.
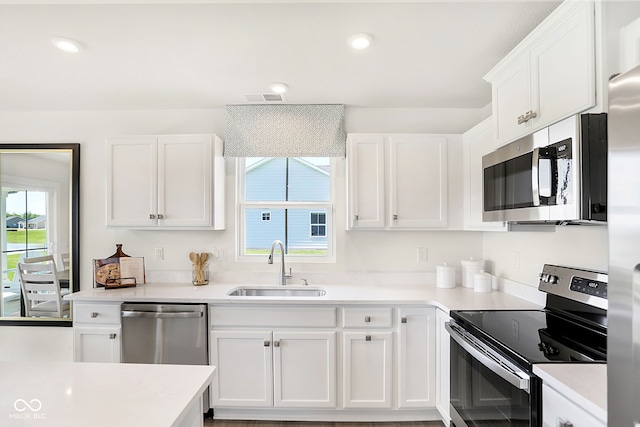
(519,256)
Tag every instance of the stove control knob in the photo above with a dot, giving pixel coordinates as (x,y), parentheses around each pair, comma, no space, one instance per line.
(553,279)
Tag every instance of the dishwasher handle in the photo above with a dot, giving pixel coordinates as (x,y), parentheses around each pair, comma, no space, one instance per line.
(163,314)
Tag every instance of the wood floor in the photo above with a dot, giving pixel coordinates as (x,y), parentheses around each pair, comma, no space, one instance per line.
(225,423)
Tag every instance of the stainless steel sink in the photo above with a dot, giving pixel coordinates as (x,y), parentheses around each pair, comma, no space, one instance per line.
(276,292)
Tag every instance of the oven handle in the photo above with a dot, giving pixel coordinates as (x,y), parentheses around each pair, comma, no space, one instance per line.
(517,379)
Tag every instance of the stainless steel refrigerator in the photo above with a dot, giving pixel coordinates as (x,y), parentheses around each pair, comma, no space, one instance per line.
(623,217)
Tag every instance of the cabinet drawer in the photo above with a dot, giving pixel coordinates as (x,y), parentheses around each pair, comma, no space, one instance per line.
(96,314)
(273,317)
(367,317)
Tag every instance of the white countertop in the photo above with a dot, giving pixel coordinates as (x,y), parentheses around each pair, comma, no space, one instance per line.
(458,298)
(99,394)
(584,384)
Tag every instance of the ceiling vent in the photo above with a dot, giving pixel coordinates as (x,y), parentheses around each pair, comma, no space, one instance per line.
(264,97)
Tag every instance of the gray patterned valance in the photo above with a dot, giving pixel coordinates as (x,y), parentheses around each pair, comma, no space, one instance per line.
(285,130)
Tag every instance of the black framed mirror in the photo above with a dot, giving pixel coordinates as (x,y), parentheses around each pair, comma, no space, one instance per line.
(39,212)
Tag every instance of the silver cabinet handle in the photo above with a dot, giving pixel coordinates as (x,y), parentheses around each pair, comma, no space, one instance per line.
(367,338)
(160,216)
(403,320)
(112,336)
(94,315)
(267,343)
(152,216)
(276,343)
(562,423)
(367,319)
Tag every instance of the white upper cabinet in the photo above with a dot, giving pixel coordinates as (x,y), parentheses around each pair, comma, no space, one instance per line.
(550,75)
(396,181)
(477,142)
(173,181)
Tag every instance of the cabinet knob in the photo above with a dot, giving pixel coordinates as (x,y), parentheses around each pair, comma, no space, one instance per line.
(367,319)
(562,423)
(152,216)
(112,336)
(356,217)
(94,315)
(267,343)
(276,343)
(403,320)
(160,216)
(395,217)
(367,338)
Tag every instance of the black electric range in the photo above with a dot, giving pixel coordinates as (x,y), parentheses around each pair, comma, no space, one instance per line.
(496,349)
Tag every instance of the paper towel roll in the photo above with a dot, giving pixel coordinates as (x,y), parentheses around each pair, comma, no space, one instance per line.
(469,268)
(482,282)
(445,276)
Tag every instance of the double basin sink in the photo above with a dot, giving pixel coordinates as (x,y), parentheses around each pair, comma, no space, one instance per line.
(284,292)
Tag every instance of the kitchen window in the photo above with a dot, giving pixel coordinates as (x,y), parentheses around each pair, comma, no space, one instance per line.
(288,199)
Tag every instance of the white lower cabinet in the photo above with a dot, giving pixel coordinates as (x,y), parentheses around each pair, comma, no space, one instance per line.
(559,411)
(96,332)
(281,368)
(367,364)
(416,358)
(442,366)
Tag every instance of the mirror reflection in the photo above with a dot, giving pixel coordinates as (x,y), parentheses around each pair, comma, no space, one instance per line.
(38,232)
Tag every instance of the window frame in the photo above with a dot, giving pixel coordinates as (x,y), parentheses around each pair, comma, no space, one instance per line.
(242,205)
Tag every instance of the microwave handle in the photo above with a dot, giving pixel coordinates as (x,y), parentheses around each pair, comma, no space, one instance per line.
(535,177)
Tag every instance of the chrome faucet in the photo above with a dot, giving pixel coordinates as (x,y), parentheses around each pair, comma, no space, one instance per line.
(283,274)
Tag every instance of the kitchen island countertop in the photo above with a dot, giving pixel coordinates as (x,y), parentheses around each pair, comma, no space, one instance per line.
(584,384)
(458,298)
(100,394)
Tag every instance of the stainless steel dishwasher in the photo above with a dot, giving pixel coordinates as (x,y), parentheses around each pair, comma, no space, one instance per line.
(165,333)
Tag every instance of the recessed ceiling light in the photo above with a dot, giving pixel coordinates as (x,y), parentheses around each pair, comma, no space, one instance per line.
(360,40)
(278,87)
(66,45)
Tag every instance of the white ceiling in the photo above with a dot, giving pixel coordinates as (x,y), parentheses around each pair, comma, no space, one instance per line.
(206,54)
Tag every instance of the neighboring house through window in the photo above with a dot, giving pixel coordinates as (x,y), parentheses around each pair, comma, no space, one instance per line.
(287,199)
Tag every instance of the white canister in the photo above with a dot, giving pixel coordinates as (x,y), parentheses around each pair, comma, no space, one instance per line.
(445,276)
(482,282)
(469,268)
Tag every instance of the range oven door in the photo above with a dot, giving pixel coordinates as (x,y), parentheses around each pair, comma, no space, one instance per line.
(486,388)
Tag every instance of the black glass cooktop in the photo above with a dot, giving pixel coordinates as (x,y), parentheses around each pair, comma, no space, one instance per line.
(536,336)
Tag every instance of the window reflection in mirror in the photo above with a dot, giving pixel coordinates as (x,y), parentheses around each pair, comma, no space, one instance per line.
(39,205)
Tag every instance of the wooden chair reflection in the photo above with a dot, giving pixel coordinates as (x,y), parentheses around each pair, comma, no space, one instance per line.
(41,288)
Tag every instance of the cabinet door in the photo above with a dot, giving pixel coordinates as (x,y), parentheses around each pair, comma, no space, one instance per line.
(365,182)
(511,99)
(417,181)
(96,344)
(304,369)
(557,410)
(416,358)
(563,68)
(184,180)
(477,142)
(244,374)
(367,368)
(442,366)
(132,181)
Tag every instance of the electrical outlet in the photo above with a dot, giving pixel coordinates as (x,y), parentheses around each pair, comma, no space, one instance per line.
(159,254)
(218,254)
(422,254)
(515,260)
(515,329)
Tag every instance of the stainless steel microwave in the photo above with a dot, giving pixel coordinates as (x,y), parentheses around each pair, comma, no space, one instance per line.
(557,174)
